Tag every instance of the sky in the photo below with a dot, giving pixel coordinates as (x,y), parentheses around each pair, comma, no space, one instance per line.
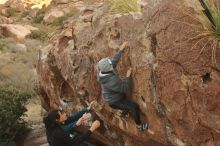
(3,1)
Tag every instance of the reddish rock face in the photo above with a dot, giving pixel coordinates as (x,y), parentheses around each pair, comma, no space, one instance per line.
(181,93)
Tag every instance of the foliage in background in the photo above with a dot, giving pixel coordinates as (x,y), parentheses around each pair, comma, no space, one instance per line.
(17,68)
(210,21)
(12,108)
(209,30)
(24,13)
(38,18)
(59,21)
(40,34)
(46,144)
(11,11)
(124,6)
(2,45)
(43,33)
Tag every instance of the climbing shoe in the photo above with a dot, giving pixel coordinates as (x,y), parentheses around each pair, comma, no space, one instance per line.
(142,127)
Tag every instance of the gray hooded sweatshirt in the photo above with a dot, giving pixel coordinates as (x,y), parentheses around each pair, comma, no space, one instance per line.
(113,88)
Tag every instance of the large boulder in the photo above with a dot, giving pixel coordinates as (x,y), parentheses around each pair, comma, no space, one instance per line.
(17,31)
(177,92)
(17,5)
(4,20)
(10,8)
(52,15)
(1,7)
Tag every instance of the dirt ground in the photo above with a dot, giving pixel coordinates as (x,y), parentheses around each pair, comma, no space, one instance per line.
(35,113)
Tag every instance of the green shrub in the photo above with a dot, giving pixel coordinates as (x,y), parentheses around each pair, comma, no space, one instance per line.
(46,144)
(16,69)
(11,11)
(41,34)
(124,6)
(1,36)
(2,45)
(12,108)
(40,15)
(210,21)
(209,18)
(38,18)
(209,30)
(59,21)
(24,14)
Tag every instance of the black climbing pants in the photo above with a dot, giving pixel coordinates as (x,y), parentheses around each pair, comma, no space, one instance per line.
(131,106)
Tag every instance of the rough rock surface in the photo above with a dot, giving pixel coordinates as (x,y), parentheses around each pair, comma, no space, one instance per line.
(180,90)
(17,31)
(52,15)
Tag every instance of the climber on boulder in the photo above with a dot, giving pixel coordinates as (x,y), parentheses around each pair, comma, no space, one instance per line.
(114,89)
(60,131)
(80,117)
(75,119)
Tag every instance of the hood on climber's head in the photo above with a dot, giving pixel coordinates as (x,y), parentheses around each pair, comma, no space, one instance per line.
(105,65)
(53,117)
(50,119)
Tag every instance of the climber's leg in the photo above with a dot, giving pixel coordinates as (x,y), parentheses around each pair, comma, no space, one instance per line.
(128,105)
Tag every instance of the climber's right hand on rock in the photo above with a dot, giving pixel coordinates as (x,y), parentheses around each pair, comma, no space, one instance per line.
(95,125)
(122,46)
(80,121)
(129,72)
(86,116)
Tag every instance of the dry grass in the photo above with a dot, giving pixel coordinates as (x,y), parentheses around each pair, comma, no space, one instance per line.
(60,20)
(209,18)
(17,68)
(209,28)
(124,6)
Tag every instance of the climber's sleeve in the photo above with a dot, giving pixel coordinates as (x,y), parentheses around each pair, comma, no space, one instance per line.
(69,126)
(71,121)
(75,117)
(116,58)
